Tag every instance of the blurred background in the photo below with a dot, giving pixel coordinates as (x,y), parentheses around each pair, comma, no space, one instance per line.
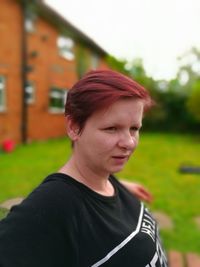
(46,46)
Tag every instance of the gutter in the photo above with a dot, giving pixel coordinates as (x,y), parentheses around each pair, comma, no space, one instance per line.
(24,117)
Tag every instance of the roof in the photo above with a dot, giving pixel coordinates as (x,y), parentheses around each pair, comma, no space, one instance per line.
(64,26)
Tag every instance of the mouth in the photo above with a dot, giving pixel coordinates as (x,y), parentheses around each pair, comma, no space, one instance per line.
(121,156)
(121,159)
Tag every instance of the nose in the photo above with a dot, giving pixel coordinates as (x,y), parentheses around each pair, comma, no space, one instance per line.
(128,141)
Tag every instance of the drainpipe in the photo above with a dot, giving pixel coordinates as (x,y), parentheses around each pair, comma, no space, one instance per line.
(24,117)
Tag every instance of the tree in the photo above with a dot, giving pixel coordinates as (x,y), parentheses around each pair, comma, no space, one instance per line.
(190,72)
(193,102)
(177,101)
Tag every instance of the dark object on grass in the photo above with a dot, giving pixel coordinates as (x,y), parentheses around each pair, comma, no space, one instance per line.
(190,169)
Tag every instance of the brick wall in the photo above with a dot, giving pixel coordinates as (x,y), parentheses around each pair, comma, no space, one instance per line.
(10,67)
(47,69)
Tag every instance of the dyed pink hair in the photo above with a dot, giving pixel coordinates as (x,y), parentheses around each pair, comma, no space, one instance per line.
(99,89)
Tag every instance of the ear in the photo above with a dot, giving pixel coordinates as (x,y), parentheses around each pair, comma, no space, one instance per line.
(72,129)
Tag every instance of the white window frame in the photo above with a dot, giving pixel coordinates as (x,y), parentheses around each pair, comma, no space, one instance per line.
(66,47)
(30,92)
(2,93)
(59,94)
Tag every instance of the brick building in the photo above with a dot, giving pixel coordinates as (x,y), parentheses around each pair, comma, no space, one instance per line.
(41,56)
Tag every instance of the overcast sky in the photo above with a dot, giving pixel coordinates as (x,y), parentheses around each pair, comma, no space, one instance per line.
(158,31)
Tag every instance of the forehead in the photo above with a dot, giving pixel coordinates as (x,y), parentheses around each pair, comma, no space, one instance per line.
(123,109)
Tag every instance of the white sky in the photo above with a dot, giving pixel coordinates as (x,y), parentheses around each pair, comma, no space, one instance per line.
(158,31)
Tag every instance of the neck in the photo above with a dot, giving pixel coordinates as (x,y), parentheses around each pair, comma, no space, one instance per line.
(98,183)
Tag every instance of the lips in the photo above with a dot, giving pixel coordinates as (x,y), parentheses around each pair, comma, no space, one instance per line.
(121,156)
(120,159)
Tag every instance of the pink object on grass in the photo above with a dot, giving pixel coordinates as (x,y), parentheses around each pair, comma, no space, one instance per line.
(8,145)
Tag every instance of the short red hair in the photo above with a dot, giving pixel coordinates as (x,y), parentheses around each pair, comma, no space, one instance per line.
(99,89)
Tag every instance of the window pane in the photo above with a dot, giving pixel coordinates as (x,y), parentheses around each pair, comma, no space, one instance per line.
(30,21)
(30,92)
(94,61)
(29,25)
(66,47)
(2,93)
(57,99)
(1,98)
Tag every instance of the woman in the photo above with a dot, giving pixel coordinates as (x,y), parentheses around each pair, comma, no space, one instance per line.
(82,215)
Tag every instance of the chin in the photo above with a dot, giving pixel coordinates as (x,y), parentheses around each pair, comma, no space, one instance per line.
(116,169)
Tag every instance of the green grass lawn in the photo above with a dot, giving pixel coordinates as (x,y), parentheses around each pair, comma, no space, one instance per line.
(155,164)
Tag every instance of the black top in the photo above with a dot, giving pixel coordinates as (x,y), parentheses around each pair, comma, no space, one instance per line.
(63,223)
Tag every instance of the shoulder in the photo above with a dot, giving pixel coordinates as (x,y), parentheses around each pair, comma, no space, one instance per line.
(46,218)
(56,192)
(124,194)
(53,200)
(117,184)
(57,186)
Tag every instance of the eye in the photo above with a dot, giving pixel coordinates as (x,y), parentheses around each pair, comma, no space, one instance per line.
(134,129)
(111,129)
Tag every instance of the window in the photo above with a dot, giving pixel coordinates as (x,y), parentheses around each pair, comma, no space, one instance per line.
(30,92)
(2,94)
(29,25)
(94,61)
(30,19)
(66,47)
(57,100)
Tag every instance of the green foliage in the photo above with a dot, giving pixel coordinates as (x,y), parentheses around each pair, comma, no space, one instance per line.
(82,61)
(155,164)
(170,114)
(193,103)
(177,106)
(117,64)
(133,69)
(189,70)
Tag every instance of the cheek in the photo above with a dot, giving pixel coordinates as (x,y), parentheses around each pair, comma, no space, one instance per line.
(107,142)
(136,140)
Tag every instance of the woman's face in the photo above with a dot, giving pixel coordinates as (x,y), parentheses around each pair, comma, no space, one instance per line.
(110,136)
